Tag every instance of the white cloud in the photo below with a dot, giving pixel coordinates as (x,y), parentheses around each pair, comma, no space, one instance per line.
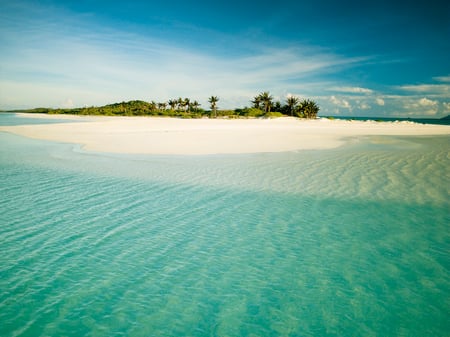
(425,102)
(379,101)
(364,106)
(289,95)
(340,102)
(442,78)
(398,105)
(352,90)
(148,69)
(98,65)
(442,90)
(423,106)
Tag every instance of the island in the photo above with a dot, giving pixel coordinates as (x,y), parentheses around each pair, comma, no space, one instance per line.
(263,105)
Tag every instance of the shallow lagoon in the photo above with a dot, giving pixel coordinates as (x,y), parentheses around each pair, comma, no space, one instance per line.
(351,241)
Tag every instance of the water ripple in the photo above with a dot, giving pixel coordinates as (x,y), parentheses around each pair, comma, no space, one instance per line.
(337,243)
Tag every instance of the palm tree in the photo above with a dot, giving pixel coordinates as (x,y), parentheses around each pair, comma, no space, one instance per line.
(180,103)
(266,98)
(309,108)
(292,102)
(187,104)
(195,105)
(256,102)
(152,106)
(213,100)
(173,103)
(277,106)
(162,106)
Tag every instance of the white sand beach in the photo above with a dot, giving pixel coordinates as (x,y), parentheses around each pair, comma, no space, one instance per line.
(150,135)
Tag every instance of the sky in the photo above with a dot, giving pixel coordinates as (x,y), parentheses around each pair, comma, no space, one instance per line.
(354,58)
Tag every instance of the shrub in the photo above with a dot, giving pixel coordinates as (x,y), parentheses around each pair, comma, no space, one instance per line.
(273,114)
(250,112)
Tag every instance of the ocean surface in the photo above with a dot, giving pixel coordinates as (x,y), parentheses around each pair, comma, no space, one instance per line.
(438,121)
(353,241)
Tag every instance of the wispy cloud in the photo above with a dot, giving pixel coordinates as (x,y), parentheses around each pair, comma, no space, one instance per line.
(154,70)
(379,101)
(54,57)
(71,57)
(351,90)
(432,89)
(442,78)
(446,106)
(340,102)
(364,106)
(423,106)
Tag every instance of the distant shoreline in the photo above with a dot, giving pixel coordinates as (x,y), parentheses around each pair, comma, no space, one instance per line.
(422,120)
(174,136)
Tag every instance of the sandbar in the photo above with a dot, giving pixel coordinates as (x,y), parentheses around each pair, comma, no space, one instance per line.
(173,136)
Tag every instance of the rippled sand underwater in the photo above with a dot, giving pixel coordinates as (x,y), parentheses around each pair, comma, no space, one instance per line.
(352,241)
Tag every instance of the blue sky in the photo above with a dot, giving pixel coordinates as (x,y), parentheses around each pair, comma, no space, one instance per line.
(355,58)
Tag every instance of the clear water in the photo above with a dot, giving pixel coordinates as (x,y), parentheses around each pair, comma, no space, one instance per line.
(10,119)
(347,242)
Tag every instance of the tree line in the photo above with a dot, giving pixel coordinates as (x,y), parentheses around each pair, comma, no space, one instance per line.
(263,105)
(305,108)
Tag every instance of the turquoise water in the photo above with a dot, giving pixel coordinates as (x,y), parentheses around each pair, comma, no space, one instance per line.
(7,118)
(347,242)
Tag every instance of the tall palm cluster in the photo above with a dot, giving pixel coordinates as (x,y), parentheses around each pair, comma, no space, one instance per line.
(294,106)
(180,104)
(263,101)
(213,101)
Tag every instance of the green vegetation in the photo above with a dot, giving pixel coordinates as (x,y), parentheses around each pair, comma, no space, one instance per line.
(293,107)
(263,106)
(213,100)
